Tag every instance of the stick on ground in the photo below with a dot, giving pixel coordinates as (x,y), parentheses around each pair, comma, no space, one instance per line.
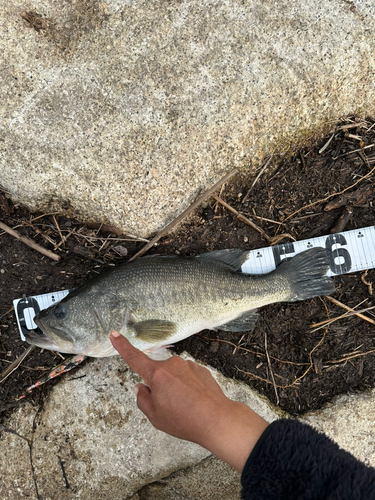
(274,240)
(257,178)
(29,242)
(331,195)
(16,363)
(350,309)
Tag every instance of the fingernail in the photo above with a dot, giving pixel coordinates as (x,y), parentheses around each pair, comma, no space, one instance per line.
(115,334)
(136,389)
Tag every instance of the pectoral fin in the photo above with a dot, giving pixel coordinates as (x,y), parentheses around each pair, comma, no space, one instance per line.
(154,330)
(244,323)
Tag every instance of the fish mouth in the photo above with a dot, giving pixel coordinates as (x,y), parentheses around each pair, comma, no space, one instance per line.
(40,339)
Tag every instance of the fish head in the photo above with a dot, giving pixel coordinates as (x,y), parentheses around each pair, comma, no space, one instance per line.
(72,326)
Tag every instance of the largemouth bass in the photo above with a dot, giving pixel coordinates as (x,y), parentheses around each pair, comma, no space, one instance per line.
(156,301)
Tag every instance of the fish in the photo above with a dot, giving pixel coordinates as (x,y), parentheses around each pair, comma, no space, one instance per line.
(156,301)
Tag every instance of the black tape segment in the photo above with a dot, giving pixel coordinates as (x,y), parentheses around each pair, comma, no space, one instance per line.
(27,303)
(282,250)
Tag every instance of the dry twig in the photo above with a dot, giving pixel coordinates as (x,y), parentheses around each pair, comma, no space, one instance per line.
(349,356)
(59,230)
(355,151)
(270,368)
(15,364)
(357,197)
(237,346)
(271,240)
(257,178)
(350,125)
(243,218)
(33,219)
(29,242)
(326,144)
(295,381)
(367,283)
(327,322)
(347,308)
(267,220)
(8,311)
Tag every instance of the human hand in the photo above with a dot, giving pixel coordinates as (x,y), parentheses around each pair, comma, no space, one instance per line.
(182,398)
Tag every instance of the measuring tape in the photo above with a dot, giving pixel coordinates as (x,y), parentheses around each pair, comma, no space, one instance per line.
(347,252)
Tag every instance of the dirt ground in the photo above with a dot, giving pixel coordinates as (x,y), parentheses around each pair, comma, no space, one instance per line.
(295,367)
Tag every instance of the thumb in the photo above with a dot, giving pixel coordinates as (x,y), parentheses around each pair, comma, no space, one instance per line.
(144,399)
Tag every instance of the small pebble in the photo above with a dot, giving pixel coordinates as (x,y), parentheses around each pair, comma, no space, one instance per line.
(2,271)
(245,239)
(122,250)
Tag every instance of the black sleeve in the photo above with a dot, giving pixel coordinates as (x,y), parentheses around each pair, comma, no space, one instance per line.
(292,461)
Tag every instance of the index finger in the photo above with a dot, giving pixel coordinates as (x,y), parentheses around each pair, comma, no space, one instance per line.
(136,359)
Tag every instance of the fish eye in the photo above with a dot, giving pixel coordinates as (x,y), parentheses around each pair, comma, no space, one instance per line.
(60,311)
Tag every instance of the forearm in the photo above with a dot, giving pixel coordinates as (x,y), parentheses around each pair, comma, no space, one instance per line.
(234,433)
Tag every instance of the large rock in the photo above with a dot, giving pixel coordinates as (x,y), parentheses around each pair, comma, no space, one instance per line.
(91,428)
(124,111)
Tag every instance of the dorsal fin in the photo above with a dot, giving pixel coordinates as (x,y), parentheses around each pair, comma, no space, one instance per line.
(232,257)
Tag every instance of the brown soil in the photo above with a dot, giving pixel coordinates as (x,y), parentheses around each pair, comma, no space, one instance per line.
(295,367)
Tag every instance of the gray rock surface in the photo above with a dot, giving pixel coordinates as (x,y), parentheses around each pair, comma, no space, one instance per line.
(123,111)
(108,449)
(16,473)
(349,421)
(211,479)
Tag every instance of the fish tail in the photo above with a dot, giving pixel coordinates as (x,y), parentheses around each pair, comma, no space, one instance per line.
(306,273)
